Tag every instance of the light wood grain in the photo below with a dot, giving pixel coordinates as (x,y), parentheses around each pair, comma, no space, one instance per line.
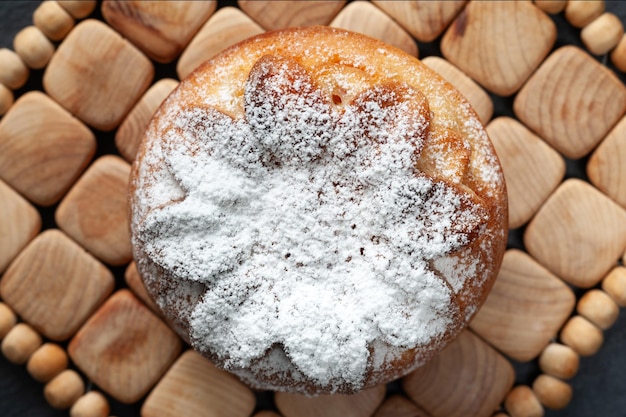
(194,386)
(523,402)
(134,282)
(582,336)
(91,404)
(49,360)
(8,319)
(97,75)
(79,9)
(273,15)
(19,343)
(559,360)
(19,224)
(161,29)
(362,404)
(578,234)
(599,308)
(53,20)
(468,378)
(13,72)
(226,27)
(55,285)
(579,13)
(363,17)
(525,308)
(606,167)
(618,55)
(602,34)
(525,36)
(478,98)
(56,143)
(552,392)
(33,47)
(551,6)
(128,136)
(399,406)
(572,101)
(614,284)
(6,99)
(94,212)
(124,348)
(532,169)
(64,389)
(425,20)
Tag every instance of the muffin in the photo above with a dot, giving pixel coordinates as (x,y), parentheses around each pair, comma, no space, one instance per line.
(316,211)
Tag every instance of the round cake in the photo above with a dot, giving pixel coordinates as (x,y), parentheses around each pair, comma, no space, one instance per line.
(316,211)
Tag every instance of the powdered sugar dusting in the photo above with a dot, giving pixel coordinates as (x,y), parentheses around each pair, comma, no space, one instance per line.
(309,225)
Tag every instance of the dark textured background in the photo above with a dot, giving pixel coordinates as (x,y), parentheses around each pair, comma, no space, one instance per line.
(599,387)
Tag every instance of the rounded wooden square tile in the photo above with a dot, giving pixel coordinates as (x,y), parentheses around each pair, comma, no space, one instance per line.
(361,404)
(226,27)
(579,233)
(525,308)
(134,282)
(281,14)
(425,20)
(532,168)
(97,75)
(131,130)
(161,29)
(572,101)
(478,98)
(606,167)
(525,36)
(399,406)
(95,210)
(468,378)
(124,348)
(59,145)
(55,285)
(363,17)
(19,224)
(193,386)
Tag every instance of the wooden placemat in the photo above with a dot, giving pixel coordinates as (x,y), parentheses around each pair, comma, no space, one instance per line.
(76,324)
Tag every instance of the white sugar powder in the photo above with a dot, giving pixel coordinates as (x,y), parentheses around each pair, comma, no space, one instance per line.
(309,226)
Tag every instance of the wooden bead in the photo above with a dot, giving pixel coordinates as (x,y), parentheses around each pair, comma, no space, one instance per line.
(64,389)
(614,284)
(92,404)
(552,392)
(21,341)
(618,55)
(8,319)
(13,71)
(603,34)
(551,6)
(53,20)
(6,99)
(599,308)
(33,47)
(522,402)
(559,360)
(579,13)
(582,336)
(78,8)
(47,362)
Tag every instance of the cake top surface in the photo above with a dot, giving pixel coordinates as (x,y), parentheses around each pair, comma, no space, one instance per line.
(308,211)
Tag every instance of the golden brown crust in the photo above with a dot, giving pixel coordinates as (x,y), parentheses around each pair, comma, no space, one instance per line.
(456,151)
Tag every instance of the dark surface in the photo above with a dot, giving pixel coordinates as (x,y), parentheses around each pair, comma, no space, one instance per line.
(599,387)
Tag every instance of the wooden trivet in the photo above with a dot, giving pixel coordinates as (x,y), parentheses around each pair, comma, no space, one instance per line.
(75,323)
